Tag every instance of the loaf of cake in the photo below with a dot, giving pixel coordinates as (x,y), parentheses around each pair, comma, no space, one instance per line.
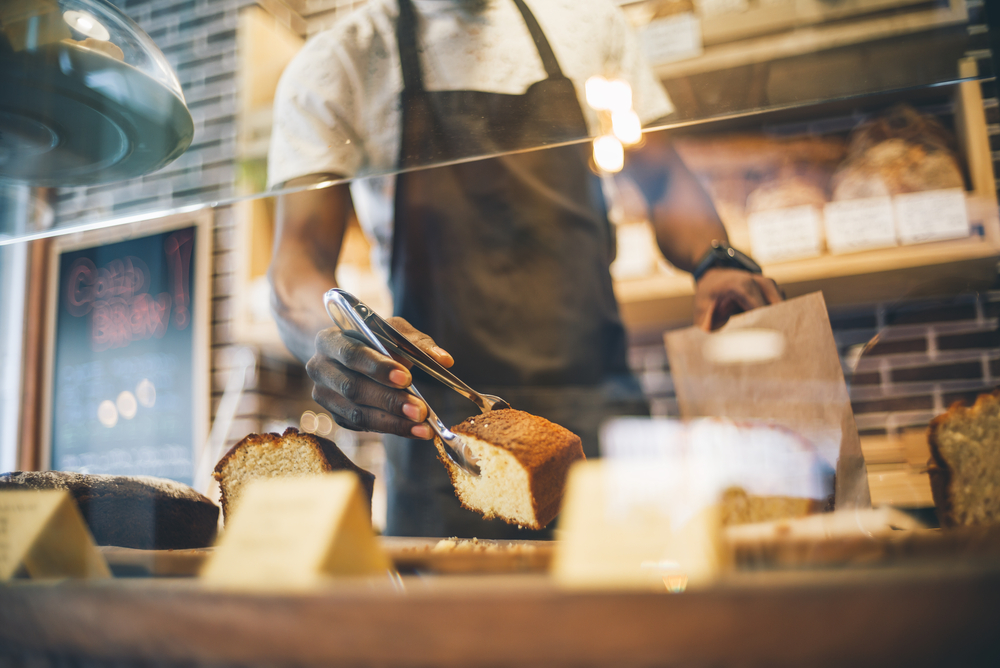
(965,462)
(523,460)
(738,507)
(131,511)
(272,456)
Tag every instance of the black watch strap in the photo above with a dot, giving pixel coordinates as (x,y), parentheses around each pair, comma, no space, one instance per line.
(723,255)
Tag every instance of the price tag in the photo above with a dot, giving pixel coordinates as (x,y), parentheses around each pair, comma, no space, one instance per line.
(671,38)
(931,216)
(294,533)
(627,524)
(785,234)
(44,532)
(859,224)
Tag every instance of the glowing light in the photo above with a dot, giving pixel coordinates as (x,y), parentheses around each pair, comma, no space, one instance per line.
(127,405)
(609,154)
(324,424)
(605,95)
(86,24)
(145,392)
(744,346)
(627,127)
(675,583)
(308,422)
(619,95)
(107,413)
(597,95)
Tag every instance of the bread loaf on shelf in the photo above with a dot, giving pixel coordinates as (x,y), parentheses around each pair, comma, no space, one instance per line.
(902,151)
(291,454)
(965,462)
(131,511)
(524,460)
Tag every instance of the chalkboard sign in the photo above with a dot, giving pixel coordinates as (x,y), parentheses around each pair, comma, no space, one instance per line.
(128,363)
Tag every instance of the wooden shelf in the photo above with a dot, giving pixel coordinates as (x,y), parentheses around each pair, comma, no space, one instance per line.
(799,38)
(924,270)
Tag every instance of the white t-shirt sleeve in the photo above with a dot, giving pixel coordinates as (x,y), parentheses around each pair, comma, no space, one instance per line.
(315,104)
(649,99)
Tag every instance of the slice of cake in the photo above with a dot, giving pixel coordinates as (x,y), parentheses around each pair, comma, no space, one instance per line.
(272,456)
(523,461)
(965,462)
(131,511)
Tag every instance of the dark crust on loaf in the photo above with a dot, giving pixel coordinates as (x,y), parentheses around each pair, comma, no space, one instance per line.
(333,458)
(131,511)
(938,469)
(546,451)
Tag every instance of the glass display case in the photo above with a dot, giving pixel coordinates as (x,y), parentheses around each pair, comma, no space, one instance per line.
(155,155)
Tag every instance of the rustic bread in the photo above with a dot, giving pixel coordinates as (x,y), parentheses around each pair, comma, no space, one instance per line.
(131,511)
(291,454)
(523,460)
(786,192)
(965,462)
(902,151)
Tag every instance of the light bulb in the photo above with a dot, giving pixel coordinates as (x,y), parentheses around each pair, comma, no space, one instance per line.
(627,127)
(609,154)
(619,95)
(597,92)
(86,24)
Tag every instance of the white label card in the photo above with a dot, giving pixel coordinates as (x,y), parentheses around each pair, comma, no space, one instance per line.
(931,216)
(859,224)
(785,234)
(293,533)
(671,38)
(44,532)
(619,535)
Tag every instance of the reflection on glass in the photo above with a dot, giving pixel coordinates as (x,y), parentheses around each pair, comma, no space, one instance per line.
(714,61)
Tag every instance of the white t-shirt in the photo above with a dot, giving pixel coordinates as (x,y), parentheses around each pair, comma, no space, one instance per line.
(337,106)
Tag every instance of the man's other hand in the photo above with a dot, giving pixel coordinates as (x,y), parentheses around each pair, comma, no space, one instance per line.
(722,293)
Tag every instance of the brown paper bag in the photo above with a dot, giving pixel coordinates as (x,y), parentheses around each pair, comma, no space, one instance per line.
(777,363)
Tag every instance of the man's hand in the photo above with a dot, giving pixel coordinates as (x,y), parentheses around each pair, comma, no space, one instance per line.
(722,293)
(364,390)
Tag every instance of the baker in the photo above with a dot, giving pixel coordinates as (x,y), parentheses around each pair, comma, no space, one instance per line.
(499,268)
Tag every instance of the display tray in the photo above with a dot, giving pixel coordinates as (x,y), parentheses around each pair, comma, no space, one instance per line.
(767,546)
(408,555)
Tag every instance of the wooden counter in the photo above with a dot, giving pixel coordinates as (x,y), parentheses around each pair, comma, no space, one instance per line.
(933,616)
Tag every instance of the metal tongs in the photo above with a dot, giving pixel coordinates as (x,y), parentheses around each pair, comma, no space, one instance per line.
(360,322)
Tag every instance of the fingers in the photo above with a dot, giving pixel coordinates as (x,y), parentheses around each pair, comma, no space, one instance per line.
(722,293)
(772,293)
(422,341)
(363,389)
(359,357)
(358,417)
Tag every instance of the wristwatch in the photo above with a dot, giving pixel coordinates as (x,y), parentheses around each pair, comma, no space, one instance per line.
(723,255)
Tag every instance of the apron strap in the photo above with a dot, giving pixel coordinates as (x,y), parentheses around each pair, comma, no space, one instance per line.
(406,38)
(541,43)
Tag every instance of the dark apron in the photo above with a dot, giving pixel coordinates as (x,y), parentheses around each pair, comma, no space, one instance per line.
(505,263)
